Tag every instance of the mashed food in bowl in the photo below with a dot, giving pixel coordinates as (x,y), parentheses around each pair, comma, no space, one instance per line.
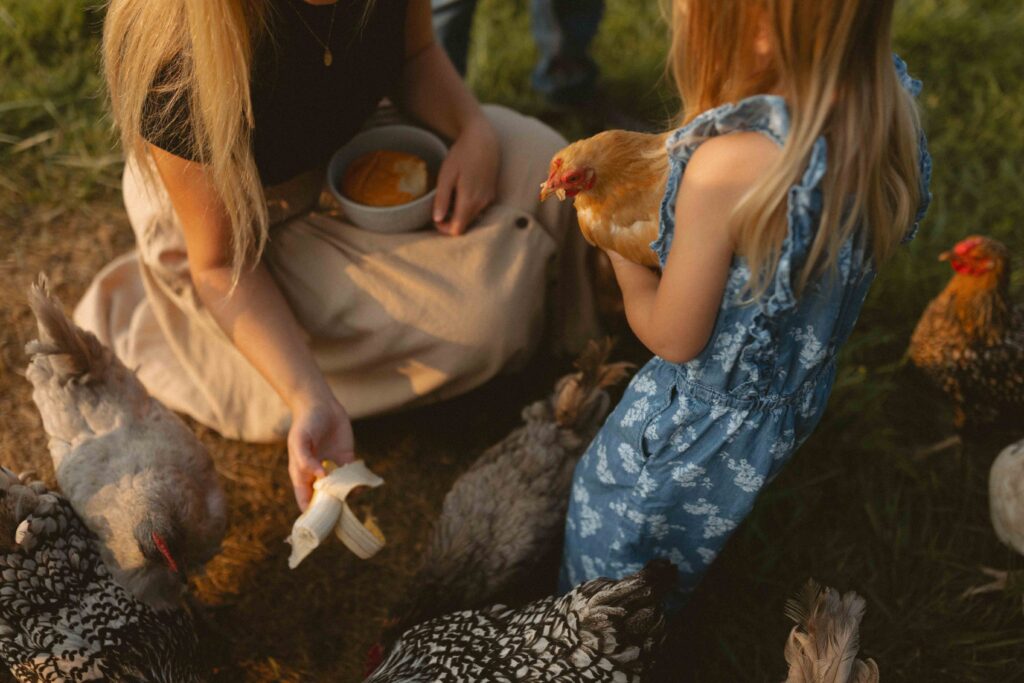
(385,178)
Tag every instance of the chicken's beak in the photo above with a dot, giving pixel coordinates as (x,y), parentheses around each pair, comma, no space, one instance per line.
(545,191)
(944,256)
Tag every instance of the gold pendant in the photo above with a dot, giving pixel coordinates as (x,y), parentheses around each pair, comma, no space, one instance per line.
(328,57)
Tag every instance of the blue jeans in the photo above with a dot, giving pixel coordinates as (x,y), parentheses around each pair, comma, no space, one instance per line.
(562,29)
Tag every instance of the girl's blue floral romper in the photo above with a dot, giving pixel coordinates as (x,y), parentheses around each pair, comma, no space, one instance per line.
(680,460)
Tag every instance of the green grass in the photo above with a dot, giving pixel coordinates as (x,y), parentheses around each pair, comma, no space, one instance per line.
(57,150)
(853,508)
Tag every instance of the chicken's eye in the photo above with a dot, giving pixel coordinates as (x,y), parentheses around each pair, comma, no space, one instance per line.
(573,177)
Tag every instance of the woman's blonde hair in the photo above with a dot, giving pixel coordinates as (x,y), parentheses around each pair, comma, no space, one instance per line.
(202,52)
(833,59)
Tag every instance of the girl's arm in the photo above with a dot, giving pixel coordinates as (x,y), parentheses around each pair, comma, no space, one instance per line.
(673,315)
(260,323)
(433,92)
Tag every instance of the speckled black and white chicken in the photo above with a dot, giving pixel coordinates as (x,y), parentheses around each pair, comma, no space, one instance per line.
(603,631)
(970,339)
(505,515)
(62,615)
(132,469)
(823,646)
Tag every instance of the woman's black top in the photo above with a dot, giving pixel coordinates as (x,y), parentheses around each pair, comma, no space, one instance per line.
(303,110)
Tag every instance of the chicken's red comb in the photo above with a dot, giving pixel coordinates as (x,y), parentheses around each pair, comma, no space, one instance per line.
(556,164)
(966,246)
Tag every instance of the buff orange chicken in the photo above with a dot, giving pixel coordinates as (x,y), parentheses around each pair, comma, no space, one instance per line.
(616,179)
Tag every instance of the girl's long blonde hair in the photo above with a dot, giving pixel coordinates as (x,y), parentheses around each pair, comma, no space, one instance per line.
(833,59)
(202,50)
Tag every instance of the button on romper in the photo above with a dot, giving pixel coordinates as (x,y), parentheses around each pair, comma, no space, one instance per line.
(680,460)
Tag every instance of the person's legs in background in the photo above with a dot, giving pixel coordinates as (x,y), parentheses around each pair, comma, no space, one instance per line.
(452,22)
(563,30)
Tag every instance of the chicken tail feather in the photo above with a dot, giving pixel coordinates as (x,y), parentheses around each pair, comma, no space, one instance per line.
(823,646)
(580,400)
(73,353)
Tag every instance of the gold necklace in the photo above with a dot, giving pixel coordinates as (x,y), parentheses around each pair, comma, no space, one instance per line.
(328,55)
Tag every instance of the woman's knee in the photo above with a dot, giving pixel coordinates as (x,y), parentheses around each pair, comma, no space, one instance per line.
(527,146)
(512,127)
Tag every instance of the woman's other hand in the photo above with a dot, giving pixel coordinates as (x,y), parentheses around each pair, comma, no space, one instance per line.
(468,178)
(321,430)
(433,93)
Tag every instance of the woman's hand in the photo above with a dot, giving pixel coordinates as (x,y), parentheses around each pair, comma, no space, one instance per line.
(321,430)
(433,93)
(468,177)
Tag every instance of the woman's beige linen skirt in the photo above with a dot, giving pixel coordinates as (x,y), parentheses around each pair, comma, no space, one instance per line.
(393,320)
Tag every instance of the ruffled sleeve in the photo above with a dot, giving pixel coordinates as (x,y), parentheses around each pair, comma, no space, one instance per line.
(913,86)
(767,114)
(666,223)
(804,214)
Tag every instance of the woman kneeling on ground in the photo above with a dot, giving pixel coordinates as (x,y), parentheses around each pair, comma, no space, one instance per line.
(263,318)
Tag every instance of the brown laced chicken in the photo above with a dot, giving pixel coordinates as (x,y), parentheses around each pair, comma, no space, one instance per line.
(822,647)
(135,473)
(504,516)
(62,616)
(617,180)
(970,340)
(602,631)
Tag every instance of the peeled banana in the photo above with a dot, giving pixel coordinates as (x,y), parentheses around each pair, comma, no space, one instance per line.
(328,512)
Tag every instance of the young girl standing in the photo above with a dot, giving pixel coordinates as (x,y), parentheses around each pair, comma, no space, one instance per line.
(800,167)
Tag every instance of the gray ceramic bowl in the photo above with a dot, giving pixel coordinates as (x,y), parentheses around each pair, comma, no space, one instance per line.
(400,138)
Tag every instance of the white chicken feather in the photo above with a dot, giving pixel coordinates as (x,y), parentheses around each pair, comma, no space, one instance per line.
(1006,510)
(1006,496)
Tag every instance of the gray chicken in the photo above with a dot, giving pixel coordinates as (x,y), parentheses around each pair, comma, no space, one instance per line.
(822,647)
(135,473)
(601,631)
(504,516)
(62,616)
